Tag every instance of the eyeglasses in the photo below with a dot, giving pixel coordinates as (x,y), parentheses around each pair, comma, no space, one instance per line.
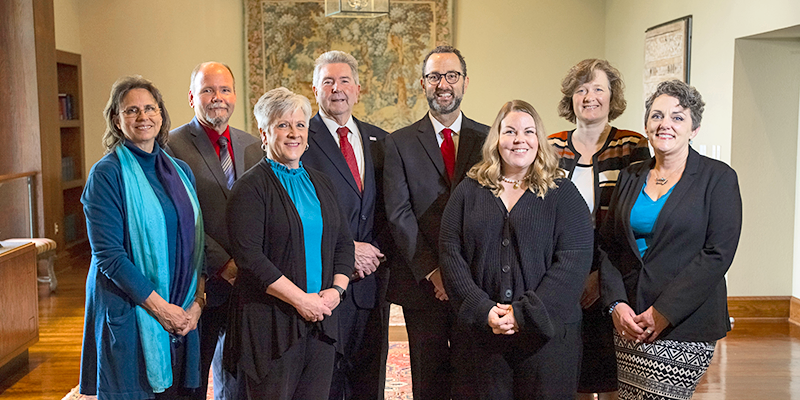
(451,77)
(133,112)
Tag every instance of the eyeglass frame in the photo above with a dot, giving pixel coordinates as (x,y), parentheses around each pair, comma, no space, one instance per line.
(440,76)
(129,112)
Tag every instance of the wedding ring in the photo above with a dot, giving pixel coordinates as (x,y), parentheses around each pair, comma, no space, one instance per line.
(649,331)
(623,333)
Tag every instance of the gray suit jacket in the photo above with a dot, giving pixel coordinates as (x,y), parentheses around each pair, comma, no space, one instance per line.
(190,144)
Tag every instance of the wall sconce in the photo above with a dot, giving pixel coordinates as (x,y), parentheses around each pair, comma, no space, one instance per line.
(356,8)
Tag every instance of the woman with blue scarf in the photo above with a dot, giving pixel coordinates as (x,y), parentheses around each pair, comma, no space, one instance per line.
(144,290)
(295,258)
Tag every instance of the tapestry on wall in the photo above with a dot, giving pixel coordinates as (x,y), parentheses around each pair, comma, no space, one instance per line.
(285,37)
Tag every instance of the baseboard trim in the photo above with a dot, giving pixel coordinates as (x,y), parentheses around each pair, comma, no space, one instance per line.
(763,308)
(794,311)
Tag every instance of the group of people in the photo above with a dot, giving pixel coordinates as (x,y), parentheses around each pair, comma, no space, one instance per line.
(527,266)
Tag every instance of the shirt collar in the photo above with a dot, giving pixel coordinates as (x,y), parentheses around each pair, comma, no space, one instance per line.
(455,126)
(332,125)
(214,136)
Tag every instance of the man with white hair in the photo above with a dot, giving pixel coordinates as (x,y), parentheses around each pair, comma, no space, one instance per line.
(350,152)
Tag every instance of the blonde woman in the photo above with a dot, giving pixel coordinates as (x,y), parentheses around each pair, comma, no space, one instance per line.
(516,246)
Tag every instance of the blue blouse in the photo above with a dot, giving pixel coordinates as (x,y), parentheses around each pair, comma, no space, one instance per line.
(643,217)
(298,184)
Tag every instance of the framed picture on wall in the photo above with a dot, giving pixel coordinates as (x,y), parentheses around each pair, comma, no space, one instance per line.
(667,53)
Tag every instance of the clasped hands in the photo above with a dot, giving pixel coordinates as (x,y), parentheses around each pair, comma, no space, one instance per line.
(644,327)
(174,319)
(314,307)
(368,258)
(502,321)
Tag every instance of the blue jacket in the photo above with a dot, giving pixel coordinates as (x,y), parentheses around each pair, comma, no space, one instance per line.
(112,362)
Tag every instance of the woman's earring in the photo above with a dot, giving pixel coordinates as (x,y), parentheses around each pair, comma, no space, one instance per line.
(264,147)
(306,146)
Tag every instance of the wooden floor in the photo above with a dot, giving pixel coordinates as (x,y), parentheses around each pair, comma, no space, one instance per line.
(755,361)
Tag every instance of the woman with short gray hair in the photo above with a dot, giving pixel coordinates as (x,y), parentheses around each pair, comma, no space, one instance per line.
(295,258)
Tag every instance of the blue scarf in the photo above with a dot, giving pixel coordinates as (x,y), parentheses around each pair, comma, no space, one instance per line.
(148,237)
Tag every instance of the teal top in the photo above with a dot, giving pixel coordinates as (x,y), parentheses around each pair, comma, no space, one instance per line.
(298,184)
(643,217)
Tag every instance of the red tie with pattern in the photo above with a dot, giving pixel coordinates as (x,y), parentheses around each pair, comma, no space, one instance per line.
(349,154)
(448,152)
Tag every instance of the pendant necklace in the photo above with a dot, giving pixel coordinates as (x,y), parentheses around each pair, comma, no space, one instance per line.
(663,181)
(514,182)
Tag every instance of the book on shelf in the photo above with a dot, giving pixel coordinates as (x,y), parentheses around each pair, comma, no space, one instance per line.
(66,106)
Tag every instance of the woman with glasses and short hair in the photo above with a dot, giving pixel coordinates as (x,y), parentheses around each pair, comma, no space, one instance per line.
(144,290)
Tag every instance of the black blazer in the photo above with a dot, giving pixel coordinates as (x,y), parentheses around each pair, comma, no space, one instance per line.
(359,208)
(266,236)
(190,143)
(695,237)
(416,190)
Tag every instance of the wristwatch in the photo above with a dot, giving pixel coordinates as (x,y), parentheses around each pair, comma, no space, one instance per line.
(342,292)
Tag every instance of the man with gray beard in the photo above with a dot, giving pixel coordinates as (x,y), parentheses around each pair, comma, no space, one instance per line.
(218,155)
(425,161)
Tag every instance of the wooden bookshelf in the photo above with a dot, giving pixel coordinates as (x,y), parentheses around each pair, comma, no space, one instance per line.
(70,105)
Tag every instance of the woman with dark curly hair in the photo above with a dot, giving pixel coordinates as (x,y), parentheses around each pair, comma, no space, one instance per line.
(670,237)
(593,154)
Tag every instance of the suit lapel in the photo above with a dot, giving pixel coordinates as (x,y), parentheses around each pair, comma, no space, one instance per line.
(678,192)
(320,136)
(469,143)
(369,169)
(238,151)
(203,145)
(629,200)
(427,137)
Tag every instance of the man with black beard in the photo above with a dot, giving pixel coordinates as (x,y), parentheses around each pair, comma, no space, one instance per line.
(424,162)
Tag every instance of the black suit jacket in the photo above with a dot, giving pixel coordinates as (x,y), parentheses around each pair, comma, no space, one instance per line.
(682,274)
(416,191)
(190,143)
(359,208)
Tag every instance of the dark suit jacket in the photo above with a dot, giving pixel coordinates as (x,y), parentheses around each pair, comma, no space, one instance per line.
(416,191)
(682,274)
(359,208)
(190,143)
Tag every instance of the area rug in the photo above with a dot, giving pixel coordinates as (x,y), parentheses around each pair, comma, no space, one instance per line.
(398,377)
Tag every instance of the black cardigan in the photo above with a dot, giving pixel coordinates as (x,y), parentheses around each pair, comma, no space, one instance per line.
(695,237)
(547,243)
(266,236)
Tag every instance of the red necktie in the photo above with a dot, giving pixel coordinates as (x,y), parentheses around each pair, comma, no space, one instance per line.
(448,152)
(349,154)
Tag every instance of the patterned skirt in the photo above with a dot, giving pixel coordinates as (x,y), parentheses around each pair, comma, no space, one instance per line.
(664,369)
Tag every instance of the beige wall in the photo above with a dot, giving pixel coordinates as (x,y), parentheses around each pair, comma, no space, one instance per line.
(67,24)
(765,114)
(160,40)
(717,23)
(514,49)
(522,49)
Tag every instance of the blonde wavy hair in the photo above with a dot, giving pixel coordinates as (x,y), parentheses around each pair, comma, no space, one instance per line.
(542,174)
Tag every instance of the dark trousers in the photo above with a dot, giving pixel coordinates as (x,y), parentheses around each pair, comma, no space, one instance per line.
(303,373)
(360,372)
(178,356)
(517,366)
(429,337)
(212,326)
